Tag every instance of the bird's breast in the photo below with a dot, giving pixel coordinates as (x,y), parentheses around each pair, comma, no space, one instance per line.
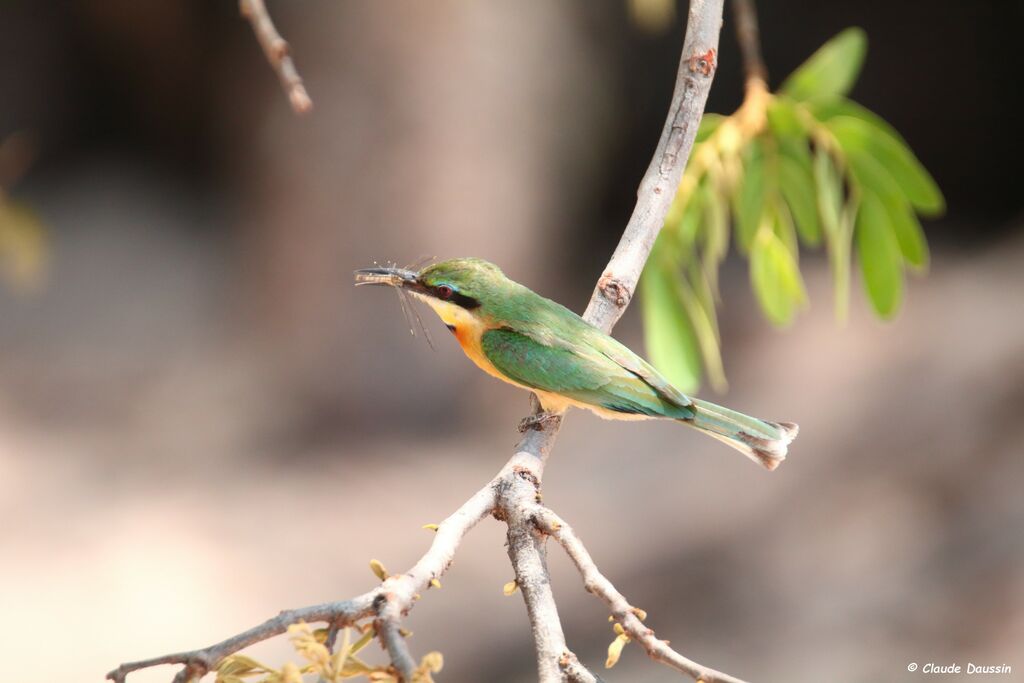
(470,336)
(468,330)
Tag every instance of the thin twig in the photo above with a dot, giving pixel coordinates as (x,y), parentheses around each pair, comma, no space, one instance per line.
(329,642)
(277,51)
(390,631)
(199,662)
(622,611)
(749,38)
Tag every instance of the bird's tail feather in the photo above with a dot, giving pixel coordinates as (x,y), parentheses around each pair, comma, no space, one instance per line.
(761,441)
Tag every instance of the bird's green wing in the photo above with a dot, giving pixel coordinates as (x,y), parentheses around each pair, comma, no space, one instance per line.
(591,378)
(620,354)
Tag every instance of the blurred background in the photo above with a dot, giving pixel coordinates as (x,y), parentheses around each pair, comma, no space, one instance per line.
(202,422)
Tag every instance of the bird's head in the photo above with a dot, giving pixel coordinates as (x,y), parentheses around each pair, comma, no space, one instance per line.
(459,290)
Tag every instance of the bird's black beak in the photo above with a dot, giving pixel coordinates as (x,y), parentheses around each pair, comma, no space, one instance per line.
(395,277)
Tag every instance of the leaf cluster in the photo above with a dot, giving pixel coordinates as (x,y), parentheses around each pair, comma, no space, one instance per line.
(329,667)
(804,167)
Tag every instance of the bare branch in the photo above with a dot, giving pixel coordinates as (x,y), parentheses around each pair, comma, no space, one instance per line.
(748,36)
(574,672)
(277,51)
(624,613)
(658,187)
(199,662)
(526,550)
(397,593)
(388,626)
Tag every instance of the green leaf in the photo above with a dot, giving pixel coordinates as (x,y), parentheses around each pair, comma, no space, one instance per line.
(775,278)
(690,226)
(856,135)
(836,213)
(796,183)
(699,304)
(867,172)
(705,295)
(870,176)
(672,343)
(716,231)
(681,228)
(796,149)
(829,187)
(909,233)
(825,110)
(881,263)
(749,198)
(783,225)
(832,70)
(783,119)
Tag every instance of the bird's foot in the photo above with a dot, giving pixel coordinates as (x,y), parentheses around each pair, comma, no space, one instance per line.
(538,421)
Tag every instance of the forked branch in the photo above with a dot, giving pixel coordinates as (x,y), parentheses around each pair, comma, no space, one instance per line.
(631,618)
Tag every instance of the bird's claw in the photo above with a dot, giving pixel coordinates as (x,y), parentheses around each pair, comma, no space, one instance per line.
(538,421)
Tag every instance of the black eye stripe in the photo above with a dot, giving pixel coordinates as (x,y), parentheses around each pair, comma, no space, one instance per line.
(455,296)
(467,302)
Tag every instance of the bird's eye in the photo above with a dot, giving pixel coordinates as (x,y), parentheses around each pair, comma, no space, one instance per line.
(445,292)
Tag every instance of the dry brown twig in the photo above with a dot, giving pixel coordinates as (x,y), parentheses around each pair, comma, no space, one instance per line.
(277,51)
(513,495)
(749,38)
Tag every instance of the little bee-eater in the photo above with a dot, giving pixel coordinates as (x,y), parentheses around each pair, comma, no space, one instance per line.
(534,343)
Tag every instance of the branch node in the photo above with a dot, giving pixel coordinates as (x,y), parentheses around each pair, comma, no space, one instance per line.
(703,64)
(614,289)
(539,422)
(277,51)
(573,671)
(527,474)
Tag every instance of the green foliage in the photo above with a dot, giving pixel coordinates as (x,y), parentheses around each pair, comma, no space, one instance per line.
(776,278)
(670,334)
(880,258)
(802,167)
(831,71)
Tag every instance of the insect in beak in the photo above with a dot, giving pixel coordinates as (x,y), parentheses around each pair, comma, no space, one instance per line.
(395,277)
(403,281)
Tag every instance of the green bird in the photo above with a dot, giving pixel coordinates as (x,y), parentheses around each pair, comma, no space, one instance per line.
(537,344)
